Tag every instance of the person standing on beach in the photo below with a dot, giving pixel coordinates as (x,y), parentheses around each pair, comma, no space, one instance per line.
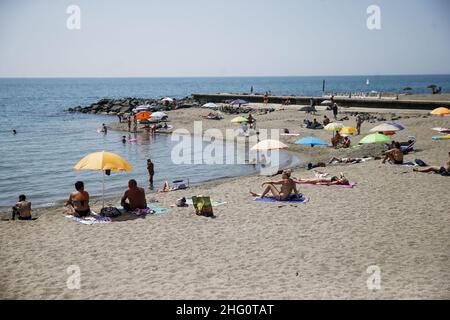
(359,121)
(22,209)
(334,107)
(129,123)
(134,124)
(151,172)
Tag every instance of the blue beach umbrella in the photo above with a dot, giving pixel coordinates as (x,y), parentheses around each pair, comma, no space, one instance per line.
(392,123)
(311,141)
(238,101)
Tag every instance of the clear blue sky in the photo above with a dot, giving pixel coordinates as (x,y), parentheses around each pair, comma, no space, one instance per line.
(137,38)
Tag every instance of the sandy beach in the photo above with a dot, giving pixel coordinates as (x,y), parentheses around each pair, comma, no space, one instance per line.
(394,219)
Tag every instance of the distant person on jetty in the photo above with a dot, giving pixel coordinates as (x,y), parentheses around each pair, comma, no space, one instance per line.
(444,170)
(287,190)
(394,155)
(359,121)
(135,196)
(151,172)
(335,180)
(78,203)
(22,209)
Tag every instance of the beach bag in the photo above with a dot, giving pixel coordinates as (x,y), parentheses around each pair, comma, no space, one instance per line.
(420,163)
(110,212)
(203,206)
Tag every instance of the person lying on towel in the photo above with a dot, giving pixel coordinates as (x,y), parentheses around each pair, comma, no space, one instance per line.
(288,188)
(333,181)
(135,196)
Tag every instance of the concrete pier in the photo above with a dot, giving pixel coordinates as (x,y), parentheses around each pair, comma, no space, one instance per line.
(389,103)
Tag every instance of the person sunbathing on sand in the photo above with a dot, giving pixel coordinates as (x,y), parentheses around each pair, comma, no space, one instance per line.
(395,155)
(288,188)
(78,203)
(341,180)
(444,170)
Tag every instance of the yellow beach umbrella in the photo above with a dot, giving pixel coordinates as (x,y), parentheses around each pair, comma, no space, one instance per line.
(334,126)
(385,127)
(103,161)
(239,120)
(441,111)
(348,131)
(266,145)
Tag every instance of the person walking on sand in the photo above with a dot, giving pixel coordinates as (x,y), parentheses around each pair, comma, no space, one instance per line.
(288,188)
(359,121)
(151,172)
(22,209)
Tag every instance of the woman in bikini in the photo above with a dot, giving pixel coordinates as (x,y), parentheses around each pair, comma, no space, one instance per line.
(333,181)
(288,188)
(78,203)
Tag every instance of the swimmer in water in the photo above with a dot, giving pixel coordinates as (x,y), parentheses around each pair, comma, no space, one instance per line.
(14,131)
(124,139)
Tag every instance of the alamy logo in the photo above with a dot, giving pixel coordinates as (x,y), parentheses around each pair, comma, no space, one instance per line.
(374,19)
(74,279)
(74,20)
(374,280)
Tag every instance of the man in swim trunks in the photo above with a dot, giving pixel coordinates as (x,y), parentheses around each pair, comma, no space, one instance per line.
(135,196)
(78,203)
(395,155)
(288,188)
(22,209)
(444,170)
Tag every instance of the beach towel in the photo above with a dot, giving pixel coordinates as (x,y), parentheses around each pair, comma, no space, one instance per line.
(92,219)
(291,200)
(349,186)
(213,202)
(151,209)
(203,206)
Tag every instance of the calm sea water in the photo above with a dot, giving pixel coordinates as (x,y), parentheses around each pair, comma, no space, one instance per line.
(38,160)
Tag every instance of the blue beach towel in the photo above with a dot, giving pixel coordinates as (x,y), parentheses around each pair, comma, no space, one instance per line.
(291,200)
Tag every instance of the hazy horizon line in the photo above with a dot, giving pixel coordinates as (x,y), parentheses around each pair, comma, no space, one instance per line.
(237,76)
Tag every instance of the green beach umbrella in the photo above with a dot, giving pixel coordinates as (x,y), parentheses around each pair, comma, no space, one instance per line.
(375,138)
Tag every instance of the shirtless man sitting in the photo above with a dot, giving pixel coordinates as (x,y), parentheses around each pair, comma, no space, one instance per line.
(444,170)
(395,155)
(22,209)
(78,203)
(135,196)
(288,188)
(341,180)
